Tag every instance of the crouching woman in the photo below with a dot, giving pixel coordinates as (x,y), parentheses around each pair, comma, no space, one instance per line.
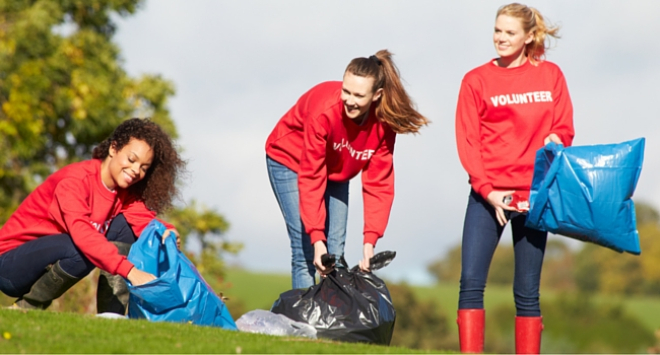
(87,215)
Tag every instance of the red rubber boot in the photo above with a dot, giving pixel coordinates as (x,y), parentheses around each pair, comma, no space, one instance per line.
(471,324)
(528,335)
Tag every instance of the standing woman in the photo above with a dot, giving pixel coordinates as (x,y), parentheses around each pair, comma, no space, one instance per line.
(335,131)
(507,109)
(87,215)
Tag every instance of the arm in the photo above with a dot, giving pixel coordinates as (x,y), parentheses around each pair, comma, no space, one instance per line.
(312,183)
(70,207)
(562,124)
(137,214)
(312,180)
(468,139)
(378,189)
(378,196)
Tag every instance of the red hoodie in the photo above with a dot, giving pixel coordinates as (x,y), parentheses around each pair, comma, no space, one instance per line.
(502,118)
(319,142)
(75,201)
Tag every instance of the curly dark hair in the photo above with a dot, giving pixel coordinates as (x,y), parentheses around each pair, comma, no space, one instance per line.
(158,187)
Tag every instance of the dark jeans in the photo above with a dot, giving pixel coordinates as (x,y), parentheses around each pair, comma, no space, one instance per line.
(481,233)
(21,267)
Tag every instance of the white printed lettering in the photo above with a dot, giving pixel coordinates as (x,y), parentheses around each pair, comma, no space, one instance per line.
(521,98)
(358,155)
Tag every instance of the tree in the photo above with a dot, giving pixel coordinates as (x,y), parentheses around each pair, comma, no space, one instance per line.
(60,95)
(601,269)
(63,90)
(206,226)
(420,324)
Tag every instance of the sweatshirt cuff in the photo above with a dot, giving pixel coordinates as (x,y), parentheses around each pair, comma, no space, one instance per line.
(316,235)
(371,237)
(485,190)
(124,268)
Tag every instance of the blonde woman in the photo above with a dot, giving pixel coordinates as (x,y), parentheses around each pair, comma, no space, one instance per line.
(507,109)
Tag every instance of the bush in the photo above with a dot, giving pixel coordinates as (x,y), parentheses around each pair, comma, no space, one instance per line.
(574,323)
(419,324)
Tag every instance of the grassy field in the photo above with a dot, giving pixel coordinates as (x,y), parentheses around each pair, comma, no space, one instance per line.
(53,332)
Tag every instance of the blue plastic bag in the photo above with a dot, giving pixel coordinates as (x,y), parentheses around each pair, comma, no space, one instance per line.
(584,193)
(179,293)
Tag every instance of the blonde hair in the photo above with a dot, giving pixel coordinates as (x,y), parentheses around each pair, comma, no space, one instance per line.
(395,106)
(532,21)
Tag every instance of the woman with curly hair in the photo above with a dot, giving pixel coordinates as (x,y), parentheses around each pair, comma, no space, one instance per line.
(335,131)
(87,215)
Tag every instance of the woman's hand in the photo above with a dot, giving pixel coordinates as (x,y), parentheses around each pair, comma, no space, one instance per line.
(552,138)
(175,232)
(367,254)
(496,199)
(137,277)
(319,250)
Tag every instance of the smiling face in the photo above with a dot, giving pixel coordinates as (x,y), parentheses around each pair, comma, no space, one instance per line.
(510,39)
(128,165)
(357,95)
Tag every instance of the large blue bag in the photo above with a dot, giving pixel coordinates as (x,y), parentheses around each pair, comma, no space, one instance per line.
(179,293)
(584,193)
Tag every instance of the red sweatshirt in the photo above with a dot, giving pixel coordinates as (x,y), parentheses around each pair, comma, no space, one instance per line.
(75,201)
(319,142)
(502,118)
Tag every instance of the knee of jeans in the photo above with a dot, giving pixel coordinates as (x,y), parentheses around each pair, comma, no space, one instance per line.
(472,283)
(527,306)
(120,231)
(77,265)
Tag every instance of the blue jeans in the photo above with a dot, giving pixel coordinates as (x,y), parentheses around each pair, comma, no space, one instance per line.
(481,233)
(284,182)
(21,267)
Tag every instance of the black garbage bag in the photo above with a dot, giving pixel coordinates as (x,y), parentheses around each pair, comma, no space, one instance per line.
(347,305)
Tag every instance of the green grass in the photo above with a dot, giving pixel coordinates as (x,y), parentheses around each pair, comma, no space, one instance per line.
(256,291)
(53,332)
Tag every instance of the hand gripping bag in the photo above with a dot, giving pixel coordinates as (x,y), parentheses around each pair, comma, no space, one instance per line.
(179,293)
(347,305)
(585,193)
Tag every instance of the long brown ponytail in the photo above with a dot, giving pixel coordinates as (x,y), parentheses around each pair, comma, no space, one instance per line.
(532,21)
(395,106)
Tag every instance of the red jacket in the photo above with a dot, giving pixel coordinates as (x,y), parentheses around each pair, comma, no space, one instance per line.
(502,118)
(75,201)
(316,140)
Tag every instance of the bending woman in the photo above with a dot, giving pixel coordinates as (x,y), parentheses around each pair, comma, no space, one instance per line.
(507,109)
(87,215)
(335,131)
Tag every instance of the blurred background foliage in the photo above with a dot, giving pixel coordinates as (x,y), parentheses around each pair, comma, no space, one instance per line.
(63,90)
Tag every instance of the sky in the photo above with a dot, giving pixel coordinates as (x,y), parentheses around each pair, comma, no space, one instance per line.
(238,66)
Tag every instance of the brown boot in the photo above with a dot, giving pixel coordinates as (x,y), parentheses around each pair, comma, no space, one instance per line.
(112,291)
(48,287)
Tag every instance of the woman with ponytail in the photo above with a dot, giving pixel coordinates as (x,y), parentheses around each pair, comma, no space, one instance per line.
(507,109)
(335,131)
